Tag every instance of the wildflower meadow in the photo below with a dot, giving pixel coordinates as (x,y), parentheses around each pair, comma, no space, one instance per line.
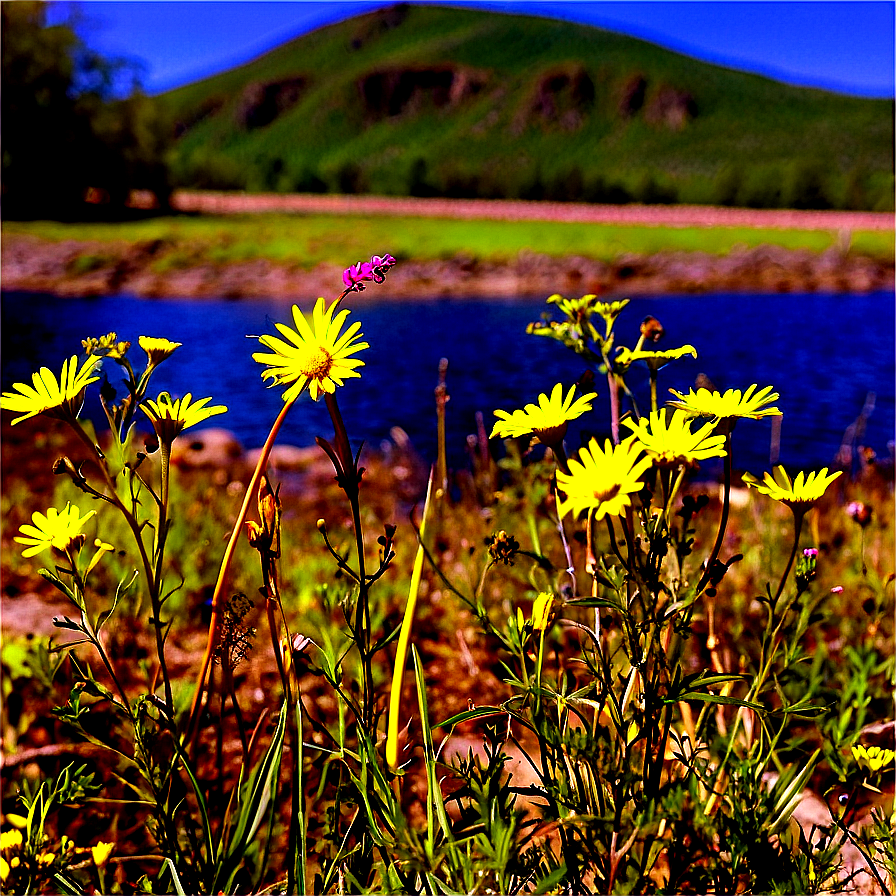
(574,667)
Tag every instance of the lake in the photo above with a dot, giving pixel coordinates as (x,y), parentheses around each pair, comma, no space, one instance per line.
(824,354)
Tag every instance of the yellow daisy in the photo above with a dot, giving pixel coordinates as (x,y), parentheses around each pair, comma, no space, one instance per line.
(57,398)
(603,480)
(546,420)
(170,418)
(798,494)
(55,529)
(157,349)
(673,443)
(316,355)
(731,404)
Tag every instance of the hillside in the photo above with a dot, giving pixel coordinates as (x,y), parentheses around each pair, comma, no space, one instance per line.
(429,100)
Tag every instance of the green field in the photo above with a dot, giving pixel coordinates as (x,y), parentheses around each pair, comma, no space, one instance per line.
(306,241)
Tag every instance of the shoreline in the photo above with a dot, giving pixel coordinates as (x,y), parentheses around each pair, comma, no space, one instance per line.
(89,268)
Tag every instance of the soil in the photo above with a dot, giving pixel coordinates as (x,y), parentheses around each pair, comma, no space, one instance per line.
(57,267)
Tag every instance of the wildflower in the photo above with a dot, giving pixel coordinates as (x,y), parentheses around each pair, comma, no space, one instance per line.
(860,513)
(157,349)
(4,870)
(10,840)
(170,418)
(62,399)
(800,494)
(541,613)
(354,275)
(101,853)
(872,759)
(603,480)
(653,359)
(837,589)
(58,530)
(502,547)
(547,420)
(805,568)
(106,346)
(316,356)
(46,858)
(575,309)
(609,311)
(673,443)
(730,405)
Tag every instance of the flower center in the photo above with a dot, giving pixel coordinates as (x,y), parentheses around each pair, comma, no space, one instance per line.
(601,495)
(317,363)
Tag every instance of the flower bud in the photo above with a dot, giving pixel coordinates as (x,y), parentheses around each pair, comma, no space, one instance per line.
(652,329)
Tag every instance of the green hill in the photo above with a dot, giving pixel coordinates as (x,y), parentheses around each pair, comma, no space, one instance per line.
(429,100)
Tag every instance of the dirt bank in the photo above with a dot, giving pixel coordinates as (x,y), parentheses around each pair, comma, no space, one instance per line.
(59,267)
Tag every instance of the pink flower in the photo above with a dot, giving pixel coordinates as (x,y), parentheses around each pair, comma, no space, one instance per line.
(837,589)
(354,276)
(810,552)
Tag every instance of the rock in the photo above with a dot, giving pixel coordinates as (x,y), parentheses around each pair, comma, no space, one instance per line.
(212,448)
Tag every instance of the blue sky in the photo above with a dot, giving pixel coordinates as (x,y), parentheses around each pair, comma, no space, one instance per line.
(846,46)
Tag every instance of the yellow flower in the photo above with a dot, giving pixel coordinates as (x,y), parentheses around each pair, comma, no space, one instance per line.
(547,420)
(62,398)
(673,443)
(872,759)
(732,404)
(4,869)
(574,308)
(316,355)
(541,611)
(799,494)
(101,853)
(603,480)
(106,346)
(59,530)
(170,418)
(653,359)
(10,840)
(157,349)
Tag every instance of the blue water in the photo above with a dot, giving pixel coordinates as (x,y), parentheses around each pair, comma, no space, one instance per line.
(823,353)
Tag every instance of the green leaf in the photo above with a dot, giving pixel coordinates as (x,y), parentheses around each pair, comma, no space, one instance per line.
(478,712)
(254,802)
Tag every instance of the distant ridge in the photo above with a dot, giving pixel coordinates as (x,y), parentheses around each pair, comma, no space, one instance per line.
(439,101)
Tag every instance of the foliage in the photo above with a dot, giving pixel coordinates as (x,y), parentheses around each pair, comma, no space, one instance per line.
(63,134)
(426,100)
(654,688)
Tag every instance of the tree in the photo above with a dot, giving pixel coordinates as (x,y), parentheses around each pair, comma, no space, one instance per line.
(63,133)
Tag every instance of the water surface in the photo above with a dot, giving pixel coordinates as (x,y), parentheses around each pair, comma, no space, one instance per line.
(824,354)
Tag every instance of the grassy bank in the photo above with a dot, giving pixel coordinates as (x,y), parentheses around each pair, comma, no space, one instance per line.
(306,241)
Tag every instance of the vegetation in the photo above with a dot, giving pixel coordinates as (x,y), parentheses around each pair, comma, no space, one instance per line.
(306,241)
(557,672)
(425,100)
(64,137)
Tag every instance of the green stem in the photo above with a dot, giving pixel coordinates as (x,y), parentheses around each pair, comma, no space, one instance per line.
(723,521)
(192,729)
(152,578)
(797,529)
